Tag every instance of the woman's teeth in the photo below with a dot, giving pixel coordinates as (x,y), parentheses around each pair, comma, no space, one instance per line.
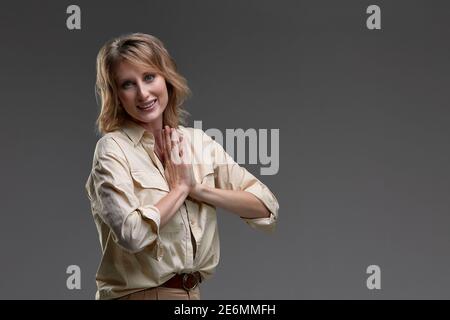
(148,105)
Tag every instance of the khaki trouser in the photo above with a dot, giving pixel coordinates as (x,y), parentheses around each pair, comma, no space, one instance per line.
(163,293)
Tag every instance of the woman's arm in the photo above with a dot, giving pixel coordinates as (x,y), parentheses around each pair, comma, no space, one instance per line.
(243,203)
(169,204)
(236,190)
(180,177)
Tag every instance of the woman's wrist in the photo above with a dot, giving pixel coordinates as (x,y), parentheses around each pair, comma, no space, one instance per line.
(197,191)
(182,189)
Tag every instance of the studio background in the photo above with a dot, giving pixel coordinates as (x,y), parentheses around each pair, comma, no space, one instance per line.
(364,130)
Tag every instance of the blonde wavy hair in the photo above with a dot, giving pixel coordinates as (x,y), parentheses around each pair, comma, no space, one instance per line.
(142,50)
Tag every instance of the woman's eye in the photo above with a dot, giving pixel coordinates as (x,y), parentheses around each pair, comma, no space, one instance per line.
(149,77)
(126,85)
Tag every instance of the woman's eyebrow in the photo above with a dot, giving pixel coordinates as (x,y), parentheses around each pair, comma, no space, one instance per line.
(143,74)
(123,80)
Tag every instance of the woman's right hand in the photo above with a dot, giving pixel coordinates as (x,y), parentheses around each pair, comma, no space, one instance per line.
(178,167)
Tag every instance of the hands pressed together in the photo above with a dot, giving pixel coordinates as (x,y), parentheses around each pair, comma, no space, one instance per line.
(176,156)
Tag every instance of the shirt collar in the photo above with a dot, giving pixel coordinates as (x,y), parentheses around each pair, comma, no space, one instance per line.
(135,132)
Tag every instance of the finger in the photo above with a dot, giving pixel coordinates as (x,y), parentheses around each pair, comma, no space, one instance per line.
(187,155)
(175,137)
(181,146)
(161,145)
(168,149)
(176,148)
(175,156)
(168,143)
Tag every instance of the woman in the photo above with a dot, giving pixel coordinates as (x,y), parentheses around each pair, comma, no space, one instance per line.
(155,184)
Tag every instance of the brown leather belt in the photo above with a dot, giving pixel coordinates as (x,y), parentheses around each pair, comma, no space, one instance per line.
(186,281)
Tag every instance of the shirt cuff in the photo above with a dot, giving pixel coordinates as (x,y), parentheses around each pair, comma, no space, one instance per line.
(151,213)
(266,196)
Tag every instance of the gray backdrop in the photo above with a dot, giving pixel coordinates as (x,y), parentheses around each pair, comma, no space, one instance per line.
(363,118)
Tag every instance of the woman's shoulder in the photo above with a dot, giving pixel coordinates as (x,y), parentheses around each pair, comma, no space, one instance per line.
(113,142)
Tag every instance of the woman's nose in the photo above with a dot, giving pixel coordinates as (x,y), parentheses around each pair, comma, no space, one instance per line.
(142,92)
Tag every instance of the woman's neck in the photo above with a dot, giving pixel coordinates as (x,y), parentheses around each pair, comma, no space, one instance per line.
(153,128)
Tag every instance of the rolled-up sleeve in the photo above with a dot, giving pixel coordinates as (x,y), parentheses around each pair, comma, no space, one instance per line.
(111,192)
(231,176)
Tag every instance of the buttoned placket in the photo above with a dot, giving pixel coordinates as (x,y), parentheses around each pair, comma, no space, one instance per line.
(193,234)
(189,257)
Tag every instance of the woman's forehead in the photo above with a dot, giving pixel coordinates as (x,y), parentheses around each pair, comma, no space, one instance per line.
(126,67)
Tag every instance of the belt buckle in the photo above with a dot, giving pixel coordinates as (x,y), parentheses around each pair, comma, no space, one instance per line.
(185,281)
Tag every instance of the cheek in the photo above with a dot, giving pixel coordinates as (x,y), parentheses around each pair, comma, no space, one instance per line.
(162,88)
(165,95)
(124,97)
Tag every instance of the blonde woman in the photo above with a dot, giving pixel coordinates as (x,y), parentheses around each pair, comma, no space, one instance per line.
(155,184)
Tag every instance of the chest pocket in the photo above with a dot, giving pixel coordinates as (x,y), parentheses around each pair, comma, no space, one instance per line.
(206,173)
(151,188)
(149,180)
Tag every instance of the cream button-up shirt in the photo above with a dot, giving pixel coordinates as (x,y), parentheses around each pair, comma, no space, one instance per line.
(127,180)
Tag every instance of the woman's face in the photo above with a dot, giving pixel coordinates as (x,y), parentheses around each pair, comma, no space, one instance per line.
(142,93)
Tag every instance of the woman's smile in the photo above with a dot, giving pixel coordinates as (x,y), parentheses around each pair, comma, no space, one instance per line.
(147,106)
